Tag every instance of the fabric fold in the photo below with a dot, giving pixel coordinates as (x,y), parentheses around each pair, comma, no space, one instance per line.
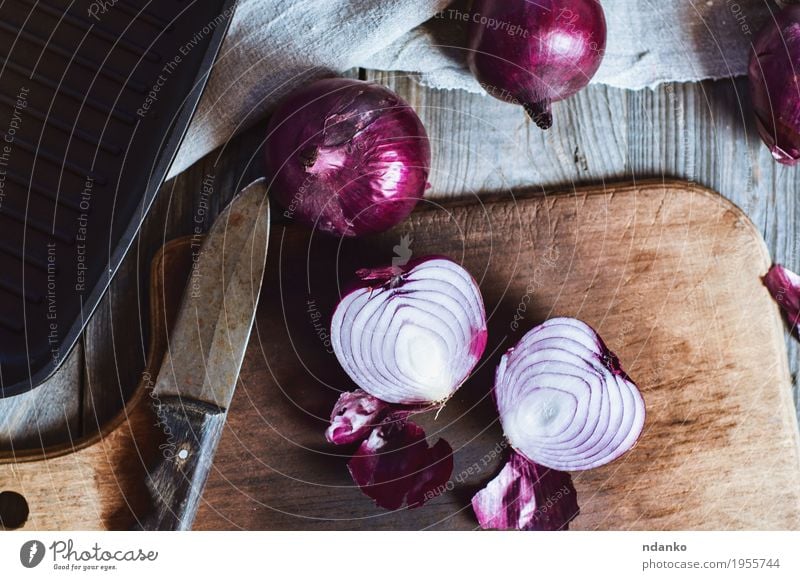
(275,46)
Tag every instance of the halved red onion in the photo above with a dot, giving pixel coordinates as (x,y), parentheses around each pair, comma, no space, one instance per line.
(564,401)
(411,335)
(784,286)
(526,496)
(395,466)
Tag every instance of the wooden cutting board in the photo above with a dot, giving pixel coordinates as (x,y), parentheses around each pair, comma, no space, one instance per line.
(668,273)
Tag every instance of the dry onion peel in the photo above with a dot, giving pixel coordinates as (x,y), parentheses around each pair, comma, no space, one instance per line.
(526,496)
(784,286)
(395,466)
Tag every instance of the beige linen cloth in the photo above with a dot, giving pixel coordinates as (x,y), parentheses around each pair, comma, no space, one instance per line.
(274,46)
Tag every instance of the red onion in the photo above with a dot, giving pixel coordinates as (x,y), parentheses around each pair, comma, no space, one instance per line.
(526,496)
(411,335)
(784,286)
(393,464)
(347,157)
(536,53)
(774,87)
(564,401)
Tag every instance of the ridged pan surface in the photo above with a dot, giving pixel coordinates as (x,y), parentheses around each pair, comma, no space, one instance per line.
(94,100)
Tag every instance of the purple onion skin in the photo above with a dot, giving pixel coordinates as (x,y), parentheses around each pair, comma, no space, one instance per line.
(784,286)
(347,157)
(396,466)
(774,86)
(554,52)
(527,496)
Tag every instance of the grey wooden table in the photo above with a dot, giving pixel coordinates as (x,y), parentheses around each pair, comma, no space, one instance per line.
(697,132)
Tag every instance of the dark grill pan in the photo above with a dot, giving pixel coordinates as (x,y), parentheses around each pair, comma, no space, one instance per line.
(95,97)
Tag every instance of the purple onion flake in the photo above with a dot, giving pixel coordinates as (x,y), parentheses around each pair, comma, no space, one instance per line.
(784,286)
(526,496)
(395,466)
(354,416)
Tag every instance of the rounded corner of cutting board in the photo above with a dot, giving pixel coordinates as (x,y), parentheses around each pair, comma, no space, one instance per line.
(643,511)
(717,199)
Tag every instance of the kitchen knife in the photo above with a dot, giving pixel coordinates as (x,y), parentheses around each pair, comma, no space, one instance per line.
(199,372)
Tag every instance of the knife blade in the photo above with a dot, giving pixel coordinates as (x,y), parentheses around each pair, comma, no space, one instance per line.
(198,376)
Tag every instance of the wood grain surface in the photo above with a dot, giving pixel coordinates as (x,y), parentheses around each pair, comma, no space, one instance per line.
(176,481)
(668,274)
(700,132)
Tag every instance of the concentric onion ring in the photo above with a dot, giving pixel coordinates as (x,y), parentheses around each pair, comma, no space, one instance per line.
(563,400)
(415,337)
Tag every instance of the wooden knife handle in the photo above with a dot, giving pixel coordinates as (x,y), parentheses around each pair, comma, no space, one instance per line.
(96,483)
(192,430)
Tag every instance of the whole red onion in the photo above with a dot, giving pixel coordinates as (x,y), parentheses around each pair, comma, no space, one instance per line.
(347,157)
(774,87)
(536,53)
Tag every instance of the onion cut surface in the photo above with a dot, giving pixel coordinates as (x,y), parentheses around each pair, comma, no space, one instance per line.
(564,402)
(411,336)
